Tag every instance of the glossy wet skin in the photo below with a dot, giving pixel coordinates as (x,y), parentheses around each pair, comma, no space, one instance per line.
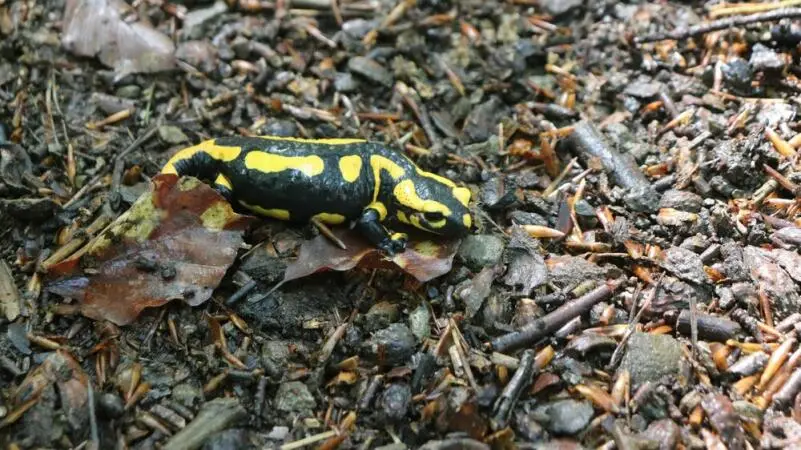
(333,181)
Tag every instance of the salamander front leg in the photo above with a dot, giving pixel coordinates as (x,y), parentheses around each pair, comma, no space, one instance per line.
(224,188)
(370,226)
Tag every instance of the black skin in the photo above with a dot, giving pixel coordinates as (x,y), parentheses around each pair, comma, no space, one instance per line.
(327,192)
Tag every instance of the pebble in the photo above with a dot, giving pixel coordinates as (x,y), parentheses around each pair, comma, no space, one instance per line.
(481,122)
(187,394)
(419,322)
(195,18)
(294,397)
(129,91)
(564,417)
(396,401)
(559,7)
(737,74)
(480,250)
(649,357)
(381,315)
(172,135)
(684,264)
(663,431)
(199,54)
(643,90)
(227,440)
(274,356)
(346,82)
(393,345)
(766,59)
(110,406)
(681,200)
(371,70)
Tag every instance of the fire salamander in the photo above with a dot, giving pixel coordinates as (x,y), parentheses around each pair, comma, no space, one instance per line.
(331,180)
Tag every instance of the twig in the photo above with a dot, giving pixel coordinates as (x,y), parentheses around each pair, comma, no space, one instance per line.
(328,233)
(510,394)
(589,143)
(241,292)
(721,24)
(92,417)
(549,323)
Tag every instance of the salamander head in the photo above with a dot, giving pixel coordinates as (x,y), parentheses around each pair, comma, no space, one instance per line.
(434,204)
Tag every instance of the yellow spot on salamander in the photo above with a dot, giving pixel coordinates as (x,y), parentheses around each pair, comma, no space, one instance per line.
(403,218)
(330,218)
(332,141)
(438,224)
(380,208)
(218,152)
(399,236)
(462,194)
(379,163)
(467,221)
(280,214)
(269,163)
(223,181)
(436,177)
(406,195)
(351,167)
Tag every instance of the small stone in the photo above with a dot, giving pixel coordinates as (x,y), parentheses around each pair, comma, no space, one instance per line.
(393,345)
(772,281)
(346,83)
(278,433)
(480,250)
(396,401)
(775,114)
(380,315)
(294,397)
(274,356)
(482,121)
(201,55)
(371,70)
(419,322)
(130,91)
(564,417)
(566,270)
(395,446)
(643,89)
(738,75)
(227,440)
(172,135)
(455,443)
(110,406)
(684,264)
(766,59)
(195,18)
(663,431)
(649,357)
(681,200)
(357,28)
(29,208)
(187,394)
(559,7)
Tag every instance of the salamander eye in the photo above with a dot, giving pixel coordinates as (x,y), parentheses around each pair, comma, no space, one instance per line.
(433,216)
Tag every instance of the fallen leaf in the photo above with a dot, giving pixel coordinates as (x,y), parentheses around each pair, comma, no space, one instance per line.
(61,371)
(424,260)
(176,242)
(9,295)
(100,28)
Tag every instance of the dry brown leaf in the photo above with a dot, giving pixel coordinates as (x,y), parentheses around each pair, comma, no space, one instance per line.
(99,28)
(176,242)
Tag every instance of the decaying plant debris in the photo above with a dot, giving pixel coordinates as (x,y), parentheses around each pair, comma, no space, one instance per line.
(633,281)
